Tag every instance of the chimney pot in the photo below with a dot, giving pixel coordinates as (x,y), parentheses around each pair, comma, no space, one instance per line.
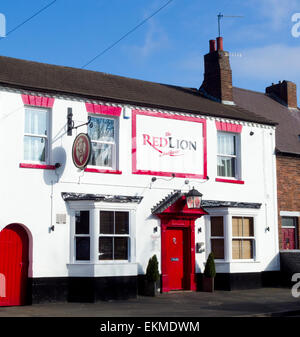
(219,43)
(212,46)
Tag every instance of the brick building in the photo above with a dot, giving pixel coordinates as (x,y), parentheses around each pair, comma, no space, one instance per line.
(279,104)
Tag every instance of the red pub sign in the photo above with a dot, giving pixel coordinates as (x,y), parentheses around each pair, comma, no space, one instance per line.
(81,150)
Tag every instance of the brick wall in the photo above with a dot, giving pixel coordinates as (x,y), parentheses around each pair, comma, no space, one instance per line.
(286,91)
(288,187)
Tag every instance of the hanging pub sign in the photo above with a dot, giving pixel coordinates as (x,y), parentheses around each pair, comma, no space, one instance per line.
(81,150)
(167,145)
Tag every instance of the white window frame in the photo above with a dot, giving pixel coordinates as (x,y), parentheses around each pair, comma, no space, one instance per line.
(217,237)
(237,155)
(244,237)
(46,137)
(82,235)
(115,144)
(116,235)
(94,208)
(227,214)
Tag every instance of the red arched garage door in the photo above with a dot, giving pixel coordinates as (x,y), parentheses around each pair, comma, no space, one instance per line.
(13,265)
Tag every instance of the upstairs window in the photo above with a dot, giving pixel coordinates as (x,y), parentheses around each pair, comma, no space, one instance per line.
(36,135)
(228,158)
(103,137)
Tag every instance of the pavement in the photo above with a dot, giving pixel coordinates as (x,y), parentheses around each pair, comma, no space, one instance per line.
(263,302)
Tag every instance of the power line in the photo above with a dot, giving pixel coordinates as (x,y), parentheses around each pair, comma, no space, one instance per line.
(125,35)
(31,17)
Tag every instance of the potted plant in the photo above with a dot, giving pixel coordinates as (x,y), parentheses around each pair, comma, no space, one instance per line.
(152,276)
(209,274)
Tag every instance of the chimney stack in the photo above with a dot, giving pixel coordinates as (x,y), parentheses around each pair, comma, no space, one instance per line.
(217,82)
(285,92)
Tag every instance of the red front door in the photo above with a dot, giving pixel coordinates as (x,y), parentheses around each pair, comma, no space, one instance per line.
(13,265)
(176,240)
(288,237)
(289,231)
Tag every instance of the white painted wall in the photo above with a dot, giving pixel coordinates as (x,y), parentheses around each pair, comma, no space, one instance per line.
(26,194)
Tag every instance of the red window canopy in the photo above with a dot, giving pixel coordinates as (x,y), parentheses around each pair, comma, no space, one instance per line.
(42,101)
(103,109)
(229,127)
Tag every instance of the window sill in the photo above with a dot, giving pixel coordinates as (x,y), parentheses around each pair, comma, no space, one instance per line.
(94,170)
(37,166)
(102,270)
(231,181)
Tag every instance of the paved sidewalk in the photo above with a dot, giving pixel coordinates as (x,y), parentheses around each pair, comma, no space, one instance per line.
(256,302)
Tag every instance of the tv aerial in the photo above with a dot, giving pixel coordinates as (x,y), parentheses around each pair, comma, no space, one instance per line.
(220,16)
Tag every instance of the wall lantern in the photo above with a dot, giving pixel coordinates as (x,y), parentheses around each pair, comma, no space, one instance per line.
(193,199)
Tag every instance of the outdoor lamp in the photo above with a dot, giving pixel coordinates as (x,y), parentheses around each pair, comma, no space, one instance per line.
(193,199)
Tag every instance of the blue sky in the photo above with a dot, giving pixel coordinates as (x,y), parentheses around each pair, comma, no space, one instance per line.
(169,48)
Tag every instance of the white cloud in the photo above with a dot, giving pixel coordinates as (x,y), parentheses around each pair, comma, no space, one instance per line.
(192,62)
(270,63)
(155,39)
(277,12)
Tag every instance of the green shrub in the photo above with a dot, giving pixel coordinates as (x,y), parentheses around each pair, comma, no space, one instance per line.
(210,268)
(152,273)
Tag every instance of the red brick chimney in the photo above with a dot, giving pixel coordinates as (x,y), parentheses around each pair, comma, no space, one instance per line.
(285,92)
(217,82)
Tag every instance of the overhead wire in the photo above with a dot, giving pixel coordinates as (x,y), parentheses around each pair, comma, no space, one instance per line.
(28,19)
(107,48)
(126,34)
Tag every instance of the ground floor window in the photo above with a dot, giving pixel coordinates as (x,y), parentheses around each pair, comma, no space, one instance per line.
(217,236)
(102,235)
(114,235)
(82,236)
(242,238)
(231,236)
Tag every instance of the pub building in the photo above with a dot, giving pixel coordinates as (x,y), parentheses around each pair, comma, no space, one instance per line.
(102,172)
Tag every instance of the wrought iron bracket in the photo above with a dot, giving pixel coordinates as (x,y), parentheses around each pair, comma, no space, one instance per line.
(70,122)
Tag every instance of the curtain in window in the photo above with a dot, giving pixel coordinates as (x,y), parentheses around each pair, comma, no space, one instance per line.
(226,154)
(242,248)
(102,134)
(36,122)
(226,144)
(35,137)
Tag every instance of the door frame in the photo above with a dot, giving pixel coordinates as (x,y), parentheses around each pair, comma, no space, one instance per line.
(185,224)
